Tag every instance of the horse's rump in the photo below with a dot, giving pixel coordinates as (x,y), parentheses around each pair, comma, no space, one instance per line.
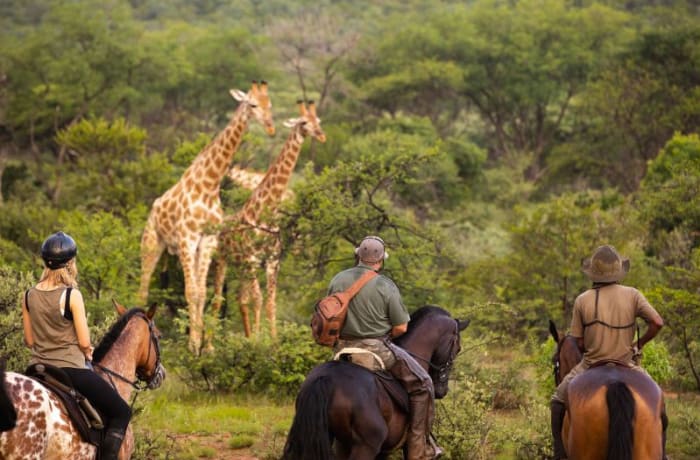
(614,409)
(41,418)
(8,415)
(349,401)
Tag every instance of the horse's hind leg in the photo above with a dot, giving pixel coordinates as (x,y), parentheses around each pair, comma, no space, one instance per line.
(367,443)
(364,452)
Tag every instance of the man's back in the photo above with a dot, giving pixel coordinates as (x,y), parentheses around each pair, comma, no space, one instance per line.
(608,328)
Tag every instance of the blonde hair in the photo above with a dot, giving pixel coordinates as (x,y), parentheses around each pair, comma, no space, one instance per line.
(64,276)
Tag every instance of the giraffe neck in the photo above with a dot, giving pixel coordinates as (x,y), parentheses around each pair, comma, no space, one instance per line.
(268,194)
(212,163)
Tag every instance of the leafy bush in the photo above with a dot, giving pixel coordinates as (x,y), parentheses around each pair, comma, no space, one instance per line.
(258,365)
(656,361)
(12,284)
(462,425)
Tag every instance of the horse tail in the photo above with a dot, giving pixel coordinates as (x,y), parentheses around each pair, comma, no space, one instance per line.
(8,414)
(309,437)
(621,421)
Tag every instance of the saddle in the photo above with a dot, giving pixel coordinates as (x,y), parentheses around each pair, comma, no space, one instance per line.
(85,417)
(372,362)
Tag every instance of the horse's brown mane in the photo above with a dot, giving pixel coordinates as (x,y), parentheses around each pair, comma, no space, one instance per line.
(113,334)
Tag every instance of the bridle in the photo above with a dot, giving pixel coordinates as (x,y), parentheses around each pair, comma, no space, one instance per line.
(142,382)
(442,371)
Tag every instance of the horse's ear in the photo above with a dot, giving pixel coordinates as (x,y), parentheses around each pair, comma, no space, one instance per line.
(462,325)
(553,331)
(151,311)
(121,309)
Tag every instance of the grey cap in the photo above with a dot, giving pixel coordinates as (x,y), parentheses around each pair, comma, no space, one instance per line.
(371,250)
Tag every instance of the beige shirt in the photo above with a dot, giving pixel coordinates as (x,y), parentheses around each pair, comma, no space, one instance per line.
(55,338)
(608,331)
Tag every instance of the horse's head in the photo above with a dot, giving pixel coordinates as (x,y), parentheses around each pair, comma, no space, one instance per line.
(566,356)
(145,338)
(433,338)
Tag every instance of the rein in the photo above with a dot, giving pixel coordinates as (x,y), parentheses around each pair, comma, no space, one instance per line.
(140,384)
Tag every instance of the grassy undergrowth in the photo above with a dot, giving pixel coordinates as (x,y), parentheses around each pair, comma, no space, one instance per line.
(174,422)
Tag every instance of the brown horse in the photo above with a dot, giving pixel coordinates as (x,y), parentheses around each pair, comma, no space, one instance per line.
(613,412)
(128,357)
(344,407)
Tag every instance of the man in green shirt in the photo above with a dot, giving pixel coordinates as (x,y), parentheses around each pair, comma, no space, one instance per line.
(603,323)
(375,315)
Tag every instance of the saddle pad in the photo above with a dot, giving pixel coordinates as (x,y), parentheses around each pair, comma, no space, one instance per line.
(365,358)
(56,381)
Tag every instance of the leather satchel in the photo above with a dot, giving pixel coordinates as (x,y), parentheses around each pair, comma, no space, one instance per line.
(330,312)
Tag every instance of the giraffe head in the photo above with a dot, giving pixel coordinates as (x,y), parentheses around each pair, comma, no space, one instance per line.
(258,104)
(308,124)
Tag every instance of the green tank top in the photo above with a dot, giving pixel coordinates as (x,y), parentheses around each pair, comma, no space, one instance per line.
(55,338)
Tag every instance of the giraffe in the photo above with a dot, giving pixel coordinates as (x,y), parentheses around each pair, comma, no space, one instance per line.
(249,238)
(183,220)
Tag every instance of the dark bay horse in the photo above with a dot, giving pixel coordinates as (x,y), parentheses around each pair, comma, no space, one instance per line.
(128,357)
(343,407)
(613,412)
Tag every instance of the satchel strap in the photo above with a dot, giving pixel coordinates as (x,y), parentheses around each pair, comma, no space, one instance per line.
(361,281)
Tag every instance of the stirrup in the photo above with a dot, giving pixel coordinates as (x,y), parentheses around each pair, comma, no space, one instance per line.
(437,451)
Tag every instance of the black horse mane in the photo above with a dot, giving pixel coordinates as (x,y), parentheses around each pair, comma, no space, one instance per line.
(425,311)
(113,334)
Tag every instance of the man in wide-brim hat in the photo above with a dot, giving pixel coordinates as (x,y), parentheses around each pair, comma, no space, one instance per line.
(603,323)
(605,265)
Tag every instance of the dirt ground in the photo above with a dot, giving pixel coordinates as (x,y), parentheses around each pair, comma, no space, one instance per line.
(219,444)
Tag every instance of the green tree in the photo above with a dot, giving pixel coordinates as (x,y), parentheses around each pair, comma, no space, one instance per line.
(110,168)
(632,108)
(368,191)
(669,201)
(541,277)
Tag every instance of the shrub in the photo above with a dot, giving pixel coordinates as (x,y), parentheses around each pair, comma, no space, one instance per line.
(12,285)
(257,365)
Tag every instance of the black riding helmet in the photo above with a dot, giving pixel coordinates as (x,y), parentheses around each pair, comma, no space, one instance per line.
(57,250)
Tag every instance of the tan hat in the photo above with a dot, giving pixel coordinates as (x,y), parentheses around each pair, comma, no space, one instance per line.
(605,265)
(371,250)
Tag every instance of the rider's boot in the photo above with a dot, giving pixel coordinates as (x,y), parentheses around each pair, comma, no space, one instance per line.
(417,440)
(112,442)
(558,410)
(420,416)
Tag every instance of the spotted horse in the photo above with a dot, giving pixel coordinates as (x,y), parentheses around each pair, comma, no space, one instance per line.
(36,425)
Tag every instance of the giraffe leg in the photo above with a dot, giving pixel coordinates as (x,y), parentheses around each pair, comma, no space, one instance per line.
(271,270)
(206,248)
(187,260)
(256,294)
(151,249)
(244,295)
(219,281)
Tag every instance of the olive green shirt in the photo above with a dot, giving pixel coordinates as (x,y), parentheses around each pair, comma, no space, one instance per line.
(375,310)
(618,306)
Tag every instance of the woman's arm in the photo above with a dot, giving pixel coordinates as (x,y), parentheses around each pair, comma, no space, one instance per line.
(77,307)
(27,325)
